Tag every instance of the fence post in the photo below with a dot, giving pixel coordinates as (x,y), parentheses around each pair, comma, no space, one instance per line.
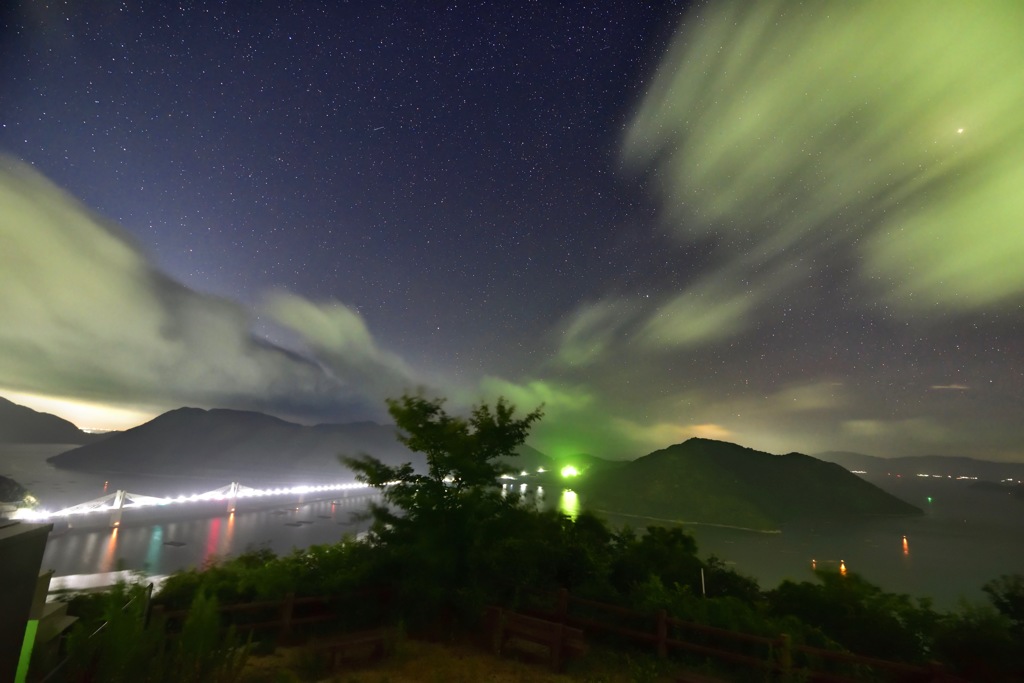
(556,649)
(562,605)
(662,633)
(785,656)
(286,614)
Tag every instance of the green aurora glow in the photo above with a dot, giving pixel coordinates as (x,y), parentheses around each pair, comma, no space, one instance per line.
(892,129)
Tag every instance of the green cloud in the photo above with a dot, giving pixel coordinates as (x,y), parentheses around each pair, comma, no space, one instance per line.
(556,398)
(590,332)
(702,314)
(890,130)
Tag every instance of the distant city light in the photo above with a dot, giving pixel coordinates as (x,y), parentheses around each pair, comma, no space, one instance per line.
(569,471)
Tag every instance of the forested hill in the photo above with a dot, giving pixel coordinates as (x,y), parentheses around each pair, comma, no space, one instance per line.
(19,424)
(11,491)
(235,443)
(716,482)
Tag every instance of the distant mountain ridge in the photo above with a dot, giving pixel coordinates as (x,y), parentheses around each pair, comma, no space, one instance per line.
(716,482)
(235,443)
(942,465)
(19,424)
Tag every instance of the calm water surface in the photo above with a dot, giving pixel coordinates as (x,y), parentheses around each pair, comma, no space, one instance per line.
(965,538)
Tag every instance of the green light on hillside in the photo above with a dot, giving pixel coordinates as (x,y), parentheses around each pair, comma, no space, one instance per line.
(929,499)
(570,471)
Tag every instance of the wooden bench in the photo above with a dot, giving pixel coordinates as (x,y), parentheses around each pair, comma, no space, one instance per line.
(558,638)
(378,642)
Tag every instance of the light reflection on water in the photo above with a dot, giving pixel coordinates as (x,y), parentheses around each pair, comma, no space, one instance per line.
(168,545)
(107,562)
(964,539)
(569,504)
(156,544)
(212,536)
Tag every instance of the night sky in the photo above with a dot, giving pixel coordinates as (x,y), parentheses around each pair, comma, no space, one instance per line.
(795,228)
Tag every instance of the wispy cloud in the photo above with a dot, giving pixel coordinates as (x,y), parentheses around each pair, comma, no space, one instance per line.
(773,132)
(662,434)
(84,315)
(919,429)
(705,313)
(591,330)
(337,336)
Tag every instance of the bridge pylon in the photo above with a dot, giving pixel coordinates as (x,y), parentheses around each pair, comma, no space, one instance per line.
(116,506)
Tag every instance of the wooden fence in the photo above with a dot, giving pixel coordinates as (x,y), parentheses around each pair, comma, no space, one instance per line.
(773,656)
(776,656)
(283,616)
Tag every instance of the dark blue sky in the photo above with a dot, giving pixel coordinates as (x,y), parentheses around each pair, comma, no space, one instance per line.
(451,166)
(439,196)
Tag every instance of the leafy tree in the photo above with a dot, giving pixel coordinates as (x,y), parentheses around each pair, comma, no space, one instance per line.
(723,581)
(436,532)
(670,554)
(1007,595)
(975,641)
(462,457)
(858,614)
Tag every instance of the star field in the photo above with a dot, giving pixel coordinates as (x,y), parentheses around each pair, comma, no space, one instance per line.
(650,231)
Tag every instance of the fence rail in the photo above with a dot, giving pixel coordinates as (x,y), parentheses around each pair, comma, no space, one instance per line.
(778,652)
(287,612)
(662,631)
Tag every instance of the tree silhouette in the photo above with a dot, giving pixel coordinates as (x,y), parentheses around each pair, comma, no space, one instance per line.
(436,527)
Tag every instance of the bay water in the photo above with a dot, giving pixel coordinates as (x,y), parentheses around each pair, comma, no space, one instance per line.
(966,536)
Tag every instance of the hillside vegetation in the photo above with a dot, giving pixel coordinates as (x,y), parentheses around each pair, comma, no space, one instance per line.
(11,491)
(449,541)
(240,443)
(232,442)
(715,482)
(19,424)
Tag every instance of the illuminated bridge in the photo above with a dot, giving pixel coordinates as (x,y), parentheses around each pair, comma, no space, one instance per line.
(115,503)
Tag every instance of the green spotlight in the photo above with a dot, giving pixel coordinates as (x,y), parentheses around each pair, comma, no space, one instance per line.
(570,471)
